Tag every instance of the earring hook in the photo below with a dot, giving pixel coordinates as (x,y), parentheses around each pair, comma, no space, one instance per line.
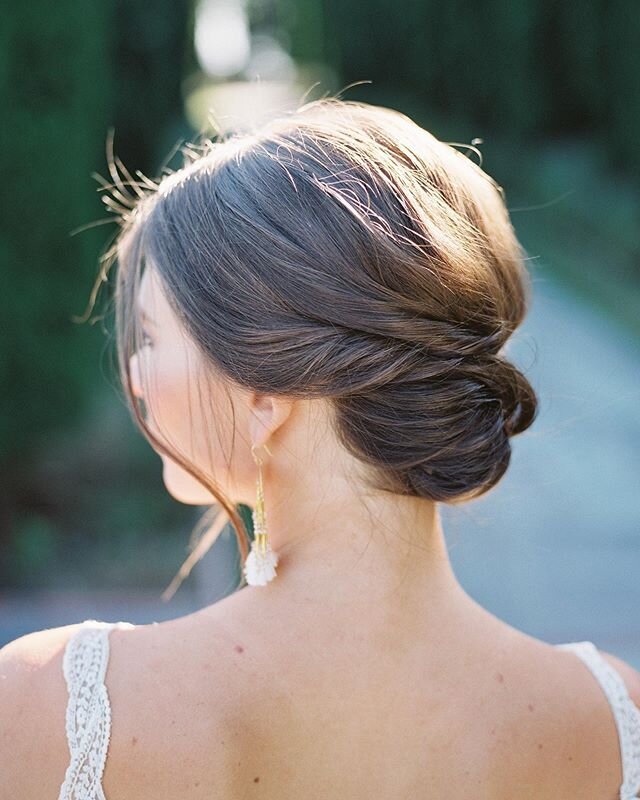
(257,457)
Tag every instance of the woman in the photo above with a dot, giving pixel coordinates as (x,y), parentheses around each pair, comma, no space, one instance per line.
(311,319)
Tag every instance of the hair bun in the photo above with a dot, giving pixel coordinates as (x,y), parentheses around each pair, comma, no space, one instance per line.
(519,400)
(444,437)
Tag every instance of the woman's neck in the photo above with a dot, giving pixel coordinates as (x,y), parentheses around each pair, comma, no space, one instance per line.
(346,548)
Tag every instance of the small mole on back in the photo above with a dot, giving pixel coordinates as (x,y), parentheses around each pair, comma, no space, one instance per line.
(500,677)
(239,648)
(255,780)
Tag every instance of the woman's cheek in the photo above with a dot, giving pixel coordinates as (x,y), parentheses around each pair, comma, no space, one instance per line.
(170,392)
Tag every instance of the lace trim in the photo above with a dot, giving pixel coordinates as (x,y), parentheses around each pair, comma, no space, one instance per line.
(626,713)
(88,715)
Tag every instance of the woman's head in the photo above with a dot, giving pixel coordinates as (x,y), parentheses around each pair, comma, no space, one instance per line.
(339,256)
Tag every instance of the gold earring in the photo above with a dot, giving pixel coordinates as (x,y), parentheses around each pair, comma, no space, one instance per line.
(260,565)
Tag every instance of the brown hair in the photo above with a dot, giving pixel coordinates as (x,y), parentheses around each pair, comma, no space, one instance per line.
(342,251)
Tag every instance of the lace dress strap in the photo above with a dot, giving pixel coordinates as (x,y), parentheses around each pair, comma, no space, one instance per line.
(88,715)
(625,712)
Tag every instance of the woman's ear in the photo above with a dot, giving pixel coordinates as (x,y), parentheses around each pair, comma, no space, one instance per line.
(268,413)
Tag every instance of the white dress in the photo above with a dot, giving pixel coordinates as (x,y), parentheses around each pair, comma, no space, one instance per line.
(88,716)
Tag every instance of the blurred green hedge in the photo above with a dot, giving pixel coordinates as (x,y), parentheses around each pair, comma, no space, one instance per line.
(69,73)
(523,68)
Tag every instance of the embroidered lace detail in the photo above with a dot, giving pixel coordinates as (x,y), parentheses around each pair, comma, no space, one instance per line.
(626,713)
(88,716)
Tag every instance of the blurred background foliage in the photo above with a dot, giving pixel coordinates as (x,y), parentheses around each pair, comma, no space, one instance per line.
(551,89)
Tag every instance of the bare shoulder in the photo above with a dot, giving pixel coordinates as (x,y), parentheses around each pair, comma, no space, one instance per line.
(174,690)
(33,698)
(565,744)
(587,727)
(169,686)
(142,673)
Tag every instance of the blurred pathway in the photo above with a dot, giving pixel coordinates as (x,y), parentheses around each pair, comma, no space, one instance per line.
(554,549)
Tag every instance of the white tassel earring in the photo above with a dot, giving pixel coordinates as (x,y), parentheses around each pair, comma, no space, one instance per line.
(260,565)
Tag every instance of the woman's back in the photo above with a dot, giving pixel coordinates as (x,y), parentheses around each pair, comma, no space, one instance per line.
(226,703)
